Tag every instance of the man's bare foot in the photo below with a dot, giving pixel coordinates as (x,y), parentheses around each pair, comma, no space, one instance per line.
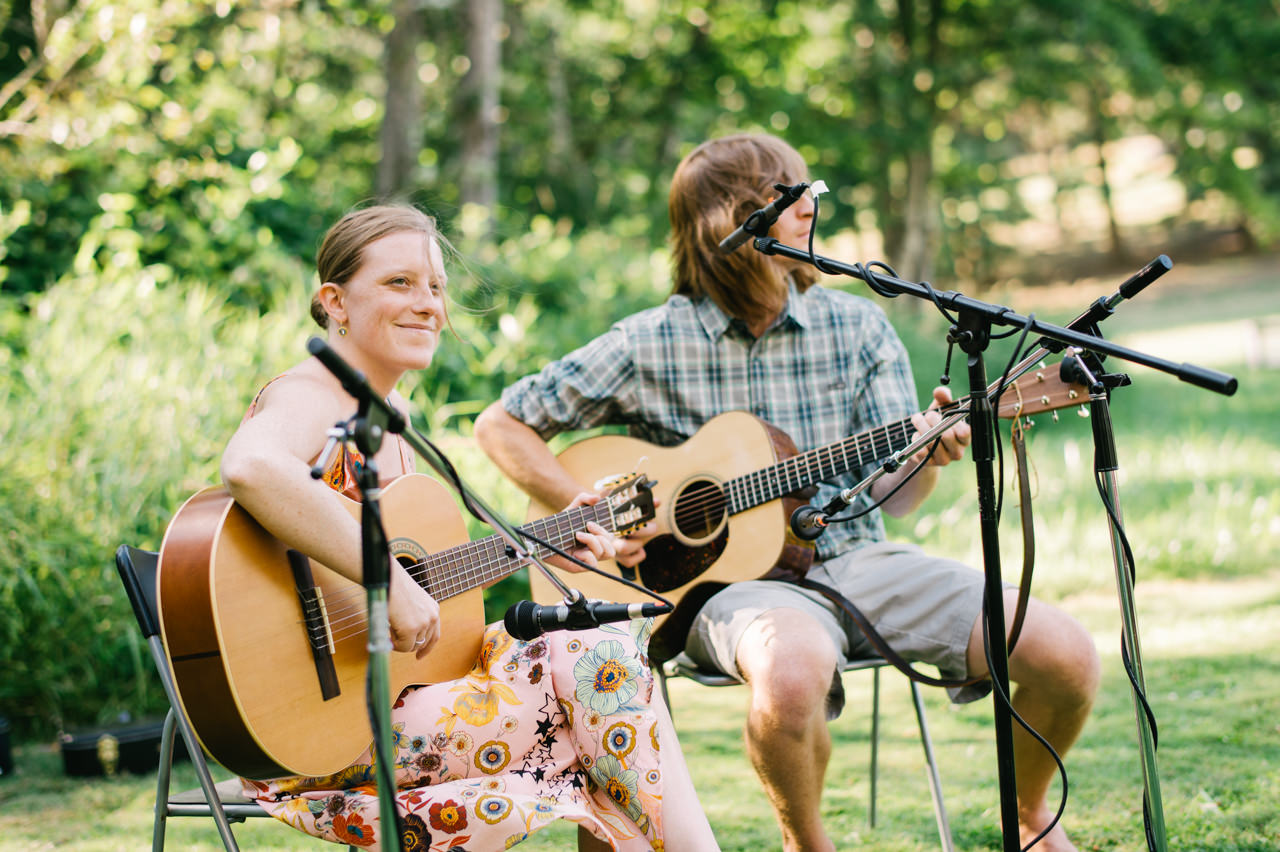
(1055,841)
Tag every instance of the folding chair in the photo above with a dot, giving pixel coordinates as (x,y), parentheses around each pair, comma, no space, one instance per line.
(683,666)
(224,802)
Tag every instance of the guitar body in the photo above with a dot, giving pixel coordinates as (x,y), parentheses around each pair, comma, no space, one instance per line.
(701,546)
(246,671)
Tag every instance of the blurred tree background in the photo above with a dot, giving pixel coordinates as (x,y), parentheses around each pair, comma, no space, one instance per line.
(169,166)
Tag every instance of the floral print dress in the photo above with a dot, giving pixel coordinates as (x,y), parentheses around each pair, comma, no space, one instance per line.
(556,728)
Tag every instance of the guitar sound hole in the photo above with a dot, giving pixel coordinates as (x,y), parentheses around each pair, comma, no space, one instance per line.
(699,510)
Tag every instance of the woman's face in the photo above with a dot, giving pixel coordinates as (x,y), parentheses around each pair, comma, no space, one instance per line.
(394,305)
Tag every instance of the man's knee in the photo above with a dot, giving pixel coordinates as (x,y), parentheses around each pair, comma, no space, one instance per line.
(788,659)
(1059,653)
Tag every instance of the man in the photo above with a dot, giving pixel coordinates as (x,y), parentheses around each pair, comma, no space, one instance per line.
(747,331)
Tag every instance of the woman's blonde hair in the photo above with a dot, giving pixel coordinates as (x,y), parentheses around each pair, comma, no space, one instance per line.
(342,250)
(714,189)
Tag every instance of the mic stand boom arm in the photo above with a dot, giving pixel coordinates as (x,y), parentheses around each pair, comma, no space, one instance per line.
(998,315)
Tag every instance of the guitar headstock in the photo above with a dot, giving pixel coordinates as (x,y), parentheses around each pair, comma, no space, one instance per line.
(1039,390)
(630,502)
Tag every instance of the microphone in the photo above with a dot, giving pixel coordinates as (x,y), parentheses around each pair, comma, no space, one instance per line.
(1105,306)
(808,522)
(1140,279)
(759,222)
(526,620)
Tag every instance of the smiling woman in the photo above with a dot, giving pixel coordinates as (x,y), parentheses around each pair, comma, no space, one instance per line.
(519,741)
(390,311)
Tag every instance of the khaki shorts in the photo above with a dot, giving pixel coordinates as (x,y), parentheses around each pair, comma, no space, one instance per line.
(923,606)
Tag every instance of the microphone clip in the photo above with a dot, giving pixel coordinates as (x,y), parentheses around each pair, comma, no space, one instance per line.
(578,615)
(759,222)
(808,523)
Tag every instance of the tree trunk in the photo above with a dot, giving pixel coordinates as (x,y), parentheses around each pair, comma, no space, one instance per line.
(402,120)
(1099,126)
(920,225)
(480,89)
(920,222)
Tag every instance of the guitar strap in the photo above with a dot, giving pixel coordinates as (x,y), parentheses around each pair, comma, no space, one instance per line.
(1024,589)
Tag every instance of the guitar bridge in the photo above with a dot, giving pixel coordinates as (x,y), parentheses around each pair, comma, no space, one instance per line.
(315,621)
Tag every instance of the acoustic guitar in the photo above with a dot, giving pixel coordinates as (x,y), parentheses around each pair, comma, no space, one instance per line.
(725,497)
(268,647)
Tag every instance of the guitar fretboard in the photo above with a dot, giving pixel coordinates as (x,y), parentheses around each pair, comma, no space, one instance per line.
(476,563)
(817,465)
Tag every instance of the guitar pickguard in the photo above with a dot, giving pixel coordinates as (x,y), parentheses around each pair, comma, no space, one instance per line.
(670,564)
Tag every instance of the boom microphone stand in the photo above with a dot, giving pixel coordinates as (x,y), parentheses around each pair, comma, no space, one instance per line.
(973,334)
(374,418)
(366,430)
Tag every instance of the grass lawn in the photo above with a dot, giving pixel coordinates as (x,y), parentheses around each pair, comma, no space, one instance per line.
(1200,493)
(1208,649)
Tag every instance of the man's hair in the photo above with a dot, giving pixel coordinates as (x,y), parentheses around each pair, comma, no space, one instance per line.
(715,188)
(342,249)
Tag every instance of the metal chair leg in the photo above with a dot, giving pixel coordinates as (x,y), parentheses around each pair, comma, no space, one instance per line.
(196,753)
(162,782)
(931,767)
(875,743)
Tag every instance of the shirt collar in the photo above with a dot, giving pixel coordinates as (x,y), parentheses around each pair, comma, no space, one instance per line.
(715,322)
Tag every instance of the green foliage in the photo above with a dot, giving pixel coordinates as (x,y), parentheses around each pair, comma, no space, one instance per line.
(169,167)
(116,412)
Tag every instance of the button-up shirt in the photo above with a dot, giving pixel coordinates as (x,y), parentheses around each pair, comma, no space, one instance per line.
(829,367)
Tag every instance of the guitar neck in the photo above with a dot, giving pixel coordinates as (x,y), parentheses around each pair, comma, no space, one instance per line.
(487,560)
(818,465)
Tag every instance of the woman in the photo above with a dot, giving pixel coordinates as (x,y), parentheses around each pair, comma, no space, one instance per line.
(485,780)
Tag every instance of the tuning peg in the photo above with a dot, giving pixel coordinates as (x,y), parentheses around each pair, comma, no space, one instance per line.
(1083,411)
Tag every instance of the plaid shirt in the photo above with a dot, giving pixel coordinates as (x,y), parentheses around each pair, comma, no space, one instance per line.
(830,367)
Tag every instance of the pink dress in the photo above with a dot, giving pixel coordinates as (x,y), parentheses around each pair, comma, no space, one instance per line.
(556,728)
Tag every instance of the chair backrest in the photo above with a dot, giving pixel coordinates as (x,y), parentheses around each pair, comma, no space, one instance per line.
(138,573)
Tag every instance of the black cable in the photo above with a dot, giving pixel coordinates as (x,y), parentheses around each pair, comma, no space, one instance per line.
(1008,702)
(1125,658)
(875,504)
(593,569)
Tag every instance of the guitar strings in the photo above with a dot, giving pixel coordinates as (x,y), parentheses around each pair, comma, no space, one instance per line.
(795,472)
(347,618)
(492,551)
(711,501)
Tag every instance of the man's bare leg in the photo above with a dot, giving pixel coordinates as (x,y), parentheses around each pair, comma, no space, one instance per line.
(1055,667)
(788,660)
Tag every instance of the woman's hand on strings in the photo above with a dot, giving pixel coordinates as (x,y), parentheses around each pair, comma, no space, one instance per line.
(414,615)
(595,543)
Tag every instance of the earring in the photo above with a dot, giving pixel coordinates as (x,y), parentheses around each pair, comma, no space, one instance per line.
(342,331)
